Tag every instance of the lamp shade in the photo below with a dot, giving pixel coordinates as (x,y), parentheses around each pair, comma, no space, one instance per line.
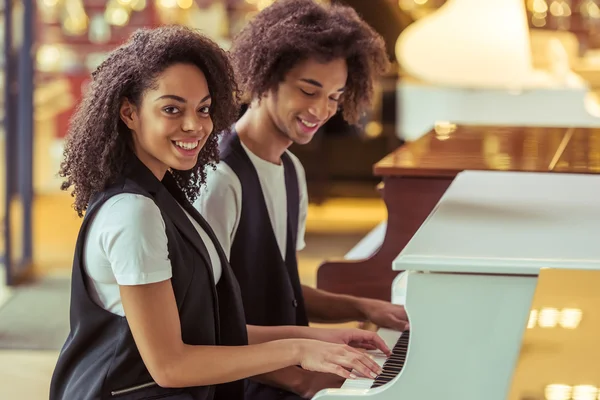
(476,43)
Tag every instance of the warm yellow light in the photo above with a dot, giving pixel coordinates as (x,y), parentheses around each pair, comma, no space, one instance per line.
(373,129)
(75,26)
(48,57)
(590,9)
(185,4)
(532,319)
(548,317)
(406,5)
(262,4)
(539,6)
(538,20)
(167,3)
(444,127)
(585,392)
(558,392)
(249,15)
(125,2)
(530,4)
(119,17)
(570,318)
(50,3)
(138,5)
(559,8)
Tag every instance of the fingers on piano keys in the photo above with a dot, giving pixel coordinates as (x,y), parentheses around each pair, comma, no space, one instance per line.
(394,364)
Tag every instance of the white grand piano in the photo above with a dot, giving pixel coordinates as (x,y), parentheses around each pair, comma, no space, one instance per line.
(471,274)
(475,62)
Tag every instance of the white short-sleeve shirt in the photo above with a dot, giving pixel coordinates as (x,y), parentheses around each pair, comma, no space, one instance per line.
(126,244)
(220,201)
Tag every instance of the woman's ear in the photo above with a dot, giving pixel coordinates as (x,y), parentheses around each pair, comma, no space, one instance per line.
(128,114)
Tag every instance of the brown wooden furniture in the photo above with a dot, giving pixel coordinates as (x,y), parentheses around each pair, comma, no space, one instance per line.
(416,175)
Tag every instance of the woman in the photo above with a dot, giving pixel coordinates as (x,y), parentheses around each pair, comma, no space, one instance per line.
(155,308)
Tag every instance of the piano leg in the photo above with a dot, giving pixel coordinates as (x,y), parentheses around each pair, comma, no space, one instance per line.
(409,201)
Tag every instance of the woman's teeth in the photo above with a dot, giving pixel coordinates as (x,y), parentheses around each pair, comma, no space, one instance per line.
(187,145)
(308,124)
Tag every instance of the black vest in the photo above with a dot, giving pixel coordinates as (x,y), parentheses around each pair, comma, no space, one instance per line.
(270,286)
(271,289)
(100,359)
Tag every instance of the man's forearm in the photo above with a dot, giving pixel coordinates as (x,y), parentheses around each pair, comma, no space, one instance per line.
(328,307)
(292,379)
(299,381)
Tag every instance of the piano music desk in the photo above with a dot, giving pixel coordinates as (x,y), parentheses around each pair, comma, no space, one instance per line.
(415,176)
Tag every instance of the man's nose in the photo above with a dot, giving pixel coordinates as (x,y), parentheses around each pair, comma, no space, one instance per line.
(320,109)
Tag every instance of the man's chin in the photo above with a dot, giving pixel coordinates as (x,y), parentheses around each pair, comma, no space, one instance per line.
(303,138)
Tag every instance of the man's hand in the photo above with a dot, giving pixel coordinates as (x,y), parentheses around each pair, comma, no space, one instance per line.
(385,314)
(326,307)
(316,381)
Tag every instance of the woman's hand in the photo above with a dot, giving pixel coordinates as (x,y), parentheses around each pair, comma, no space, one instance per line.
(339,359)
(352,337)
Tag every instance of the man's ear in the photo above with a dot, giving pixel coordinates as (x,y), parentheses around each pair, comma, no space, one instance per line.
(128,113)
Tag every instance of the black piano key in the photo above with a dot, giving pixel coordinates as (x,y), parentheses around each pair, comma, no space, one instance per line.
(395,362)
(394,370)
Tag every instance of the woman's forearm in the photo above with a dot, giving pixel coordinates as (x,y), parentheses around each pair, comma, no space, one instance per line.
(152,317)
(209,365)
(261,334)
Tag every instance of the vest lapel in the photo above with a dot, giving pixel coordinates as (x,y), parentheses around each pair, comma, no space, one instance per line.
(165,197)
(211,234)
(232,148)
(164,194)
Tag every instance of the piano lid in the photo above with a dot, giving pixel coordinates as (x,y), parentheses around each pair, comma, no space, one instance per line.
(448,149)
(560,356)
(509,223)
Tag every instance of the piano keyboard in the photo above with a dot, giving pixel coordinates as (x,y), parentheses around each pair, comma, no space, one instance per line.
(398,342)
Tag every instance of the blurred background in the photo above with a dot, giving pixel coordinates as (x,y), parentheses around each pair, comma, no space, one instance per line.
(524,70)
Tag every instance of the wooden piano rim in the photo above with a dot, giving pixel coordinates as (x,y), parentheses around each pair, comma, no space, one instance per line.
(421,173)
(473,273)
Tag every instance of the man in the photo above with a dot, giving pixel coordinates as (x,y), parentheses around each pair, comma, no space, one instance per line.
(297,63)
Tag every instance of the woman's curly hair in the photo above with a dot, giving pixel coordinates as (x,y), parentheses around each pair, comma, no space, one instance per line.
(290,31)
(97,141)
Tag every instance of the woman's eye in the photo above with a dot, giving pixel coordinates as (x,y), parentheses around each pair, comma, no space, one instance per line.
(171,110)
(205,110)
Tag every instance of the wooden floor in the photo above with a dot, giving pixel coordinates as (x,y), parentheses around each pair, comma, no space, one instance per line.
(26,374)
